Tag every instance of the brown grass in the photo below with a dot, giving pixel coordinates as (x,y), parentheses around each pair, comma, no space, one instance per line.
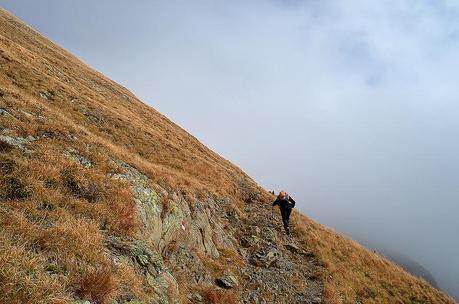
(353,273)
(5,147)
(128,282)
(215,266)
(96,284)
(165,206)
(212,295)
(23,278)
(58,211)
(14,184)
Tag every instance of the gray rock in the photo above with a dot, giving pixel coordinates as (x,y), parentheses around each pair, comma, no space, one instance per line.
(146,199)
(131,301)
(28,115)
(266,257)
(4,112)
(18,142)
(146,259)
(77,157)
(202,230)
(317,300)
(195,297)
(143,260)
(292,248)
(227,281)
(269,234)
(46,95)
(232,216)
(166,289)
(271,256)
(251,241)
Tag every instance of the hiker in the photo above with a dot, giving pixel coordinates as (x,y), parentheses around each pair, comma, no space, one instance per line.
(286,204)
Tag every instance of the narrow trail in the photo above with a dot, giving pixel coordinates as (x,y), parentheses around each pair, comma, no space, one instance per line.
(279,270)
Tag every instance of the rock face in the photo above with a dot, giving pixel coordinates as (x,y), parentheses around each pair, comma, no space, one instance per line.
(228,281)
(149,263)
(273,268)
(271,263)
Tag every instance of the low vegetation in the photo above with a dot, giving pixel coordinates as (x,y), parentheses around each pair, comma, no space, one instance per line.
(353,274)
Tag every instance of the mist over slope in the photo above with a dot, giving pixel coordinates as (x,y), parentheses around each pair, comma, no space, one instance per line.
(412,267)
(104,199)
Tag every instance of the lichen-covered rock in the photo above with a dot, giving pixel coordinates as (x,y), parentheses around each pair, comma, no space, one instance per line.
(18,142)
(195,298)
(149,263)
(251,241)
(82,302)
(292,247)
(46,94)
(166,289)
(192,226)
(4,112)
(175,223)
(184,259)
(184,238)
(227,281)
(201,231)
(146,259)
(147,201)
(78,158)
(266,257)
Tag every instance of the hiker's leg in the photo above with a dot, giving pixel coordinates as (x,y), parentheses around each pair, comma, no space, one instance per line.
(284,213)
(288,212)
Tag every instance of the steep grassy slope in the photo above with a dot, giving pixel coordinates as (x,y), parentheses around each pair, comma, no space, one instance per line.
(103,198)
(354,274)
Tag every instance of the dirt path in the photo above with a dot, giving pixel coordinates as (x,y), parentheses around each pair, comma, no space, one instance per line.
(278,270)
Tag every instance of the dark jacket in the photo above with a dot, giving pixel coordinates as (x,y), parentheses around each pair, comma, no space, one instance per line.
(285,204)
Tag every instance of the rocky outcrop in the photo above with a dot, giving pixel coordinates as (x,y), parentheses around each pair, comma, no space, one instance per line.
(149,263)
(189,231)
(18,141)
(181,230)
(78,158)
(168,217)
(146,199)
(228,280)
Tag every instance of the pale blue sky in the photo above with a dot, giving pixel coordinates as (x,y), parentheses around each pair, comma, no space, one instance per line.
(351,106)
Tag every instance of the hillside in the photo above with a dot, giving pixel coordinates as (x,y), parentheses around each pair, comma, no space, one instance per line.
(105,200)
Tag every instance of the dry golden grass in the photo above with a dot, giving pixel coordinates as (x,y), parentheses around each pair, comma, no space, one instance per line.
(59,212)
(183,282)
(96,284)
(23,278)
(353,273)
(212,295)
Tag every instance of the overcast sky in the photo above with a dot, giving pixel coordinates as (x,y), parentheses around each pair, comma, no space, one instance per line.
(350,106)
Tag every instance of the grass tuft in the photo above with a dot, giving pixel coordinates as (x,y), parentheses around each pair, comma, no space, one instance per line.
(96,284)
(213,295)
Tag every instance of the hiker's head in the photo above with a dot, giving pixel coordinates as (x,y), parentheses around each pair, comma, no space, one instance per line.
(282,195)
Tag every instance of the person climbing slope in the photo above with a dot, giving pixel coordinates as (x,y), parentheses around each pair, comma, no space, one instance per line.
(286,204)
